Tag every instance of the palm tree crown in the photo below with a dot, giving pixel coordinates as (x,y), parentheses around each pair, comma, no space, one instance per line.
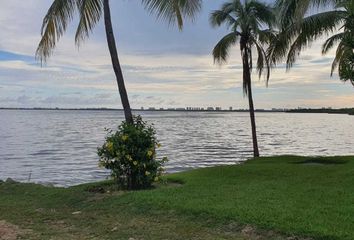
(250,25)
(298,33)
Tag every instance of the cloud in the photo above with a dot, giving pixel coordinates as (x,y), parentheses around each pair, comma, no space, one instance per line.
(162,66)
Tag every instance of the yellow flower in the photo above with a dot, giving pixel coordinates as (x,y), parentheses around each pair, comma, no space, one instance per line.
(109,146)
(124,137)
(158,145)
(147,173)
(156,179)
(129,157)
(135,163)
(149,153)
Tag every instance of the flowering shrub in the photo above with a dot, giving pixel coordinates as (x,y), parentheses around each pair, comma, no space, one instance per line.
(130,154)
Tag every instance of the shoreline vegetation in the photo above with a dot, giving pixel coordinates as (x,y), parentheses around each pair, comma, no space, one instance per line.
(349,111)
(284,197)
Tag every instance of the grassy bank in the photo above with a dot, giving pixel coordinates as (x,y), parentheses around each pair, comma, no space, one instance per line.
(267,198)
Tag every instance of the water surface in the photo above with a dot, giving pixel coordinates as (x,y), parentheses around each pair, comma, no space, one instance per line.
(60,146)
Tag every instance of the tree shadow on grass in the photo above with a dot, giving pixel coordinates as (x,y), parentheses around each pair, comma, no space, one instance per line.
(321,161)
(112,186)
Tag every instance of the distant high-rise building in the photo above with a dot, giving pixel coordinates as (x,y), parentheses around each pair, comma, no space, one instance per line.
(142,108)
(230,108)
(218,108)
(210,109)
(193,108)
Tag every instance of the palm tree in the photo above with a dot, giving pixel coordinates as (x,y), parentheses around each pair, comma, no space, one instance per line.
(61,12)
(247,22)
(297,32)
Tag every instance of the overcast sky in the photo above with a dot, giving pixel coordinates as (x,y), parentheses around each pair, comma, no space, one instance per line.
(162,66)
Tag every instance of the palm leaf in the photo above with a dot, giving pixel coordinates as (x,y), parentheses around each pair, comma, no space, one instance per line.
(290,41)
(221,50)
(264,14)
(54,25)
(174,11)
(330,42)
(219,17)
(292,11)
(262,60)
(312,28)
(90,14)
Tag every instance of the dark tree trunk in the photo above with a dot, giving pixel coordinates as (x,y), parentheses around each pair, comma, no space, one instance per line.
(248,87)
(253,122)
(115,62)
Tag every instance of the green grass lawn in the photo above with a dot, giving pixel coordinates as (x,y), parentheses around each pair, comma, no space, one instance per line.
(267,198)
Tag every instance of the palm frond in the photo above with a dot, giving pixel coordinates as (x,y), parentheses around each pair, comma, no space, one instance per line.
(344,55)
(346,62)
(266,36)
(219,17)
(221,50)
(90,14)
(346,67)
(339,54)
(293,11)
(173,11)
(54,25)
(311,29)
(331,42)
(263,13)
(262,60)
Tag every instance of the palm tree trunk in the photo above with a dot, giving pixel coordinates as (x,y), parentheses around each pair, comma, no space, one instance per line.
(253,122)
(115,62)
(248,88)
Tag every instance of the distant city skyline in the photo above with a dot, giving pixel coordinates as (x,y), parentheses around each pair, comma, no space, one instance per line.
(163,67)
(210,108)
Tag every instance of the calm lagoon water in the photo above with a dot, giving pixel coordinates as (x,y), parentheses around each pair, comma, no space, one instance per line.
(60,146)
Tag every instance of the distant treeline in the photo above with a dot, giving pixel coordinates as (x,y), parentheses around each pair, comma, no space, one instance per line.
(147,109)
(349,111)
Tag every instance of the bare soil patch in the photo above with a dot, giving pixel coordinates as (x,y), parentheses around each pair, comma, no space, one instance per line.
(9,231)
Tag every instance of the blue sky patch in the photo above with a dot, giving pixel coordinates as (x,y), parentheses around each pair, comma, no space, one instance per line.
(9,56)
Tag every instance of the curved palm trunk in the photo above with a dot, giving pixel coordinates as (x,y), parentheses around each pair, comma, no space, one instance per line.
(248,85)
(115,62)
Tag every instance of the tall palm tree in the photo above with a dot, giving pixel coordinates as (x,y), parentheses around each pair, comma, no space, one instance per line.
(61,12)
(297,32)
(250,25)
